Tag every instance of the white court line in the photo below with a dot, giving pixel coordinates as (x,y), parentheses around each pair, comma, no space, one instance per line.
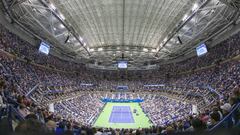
(120,116)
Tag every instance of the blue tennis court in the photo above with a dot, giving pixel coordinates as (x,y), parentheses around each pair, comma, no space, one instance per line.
(121,114)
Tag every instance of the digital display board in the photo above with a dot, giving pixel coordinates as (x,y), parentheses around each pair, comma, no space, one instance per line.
(201,50)
(44,48)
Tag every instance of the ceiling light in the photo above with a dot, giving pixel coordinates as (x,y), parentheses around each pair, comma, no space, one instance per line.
(154,50)
(54,28)
(145,49)
(185,28)
(80,38)
(51,6)
(195,6)
(212,11)
(185,17)
(84,44)
(61,16)
(61,26)
(34,9)
(165,39)
(91,50)
(100,49)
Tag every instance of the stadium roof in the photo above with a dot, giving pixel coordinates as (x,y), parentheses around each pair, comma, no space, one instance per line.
(140,31)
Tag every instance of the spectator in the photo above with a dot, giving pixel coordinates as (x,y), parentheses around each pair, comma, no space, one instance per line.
(198,125)
(214,119)
(31,127)
(2,104)
(76,97)
(226,108)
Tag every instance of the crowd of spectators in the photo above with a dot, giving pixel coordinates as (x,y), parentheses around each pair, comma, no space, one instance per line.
(163,110)
(28,88)
(227,49)
(22,49)
(222,51)
(84,107)
(68,113)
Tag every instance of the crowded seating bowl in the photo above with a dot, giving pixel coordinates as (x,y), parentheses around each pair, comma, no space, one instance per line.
(31,82)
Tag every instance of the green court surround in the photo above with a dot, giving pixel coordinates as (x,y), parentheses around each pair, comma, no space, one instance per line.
(141,121)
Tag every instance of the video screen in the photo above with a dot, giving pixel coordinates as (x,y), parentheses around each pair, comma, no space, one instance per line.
(122,64)
(44,48)
(201,50)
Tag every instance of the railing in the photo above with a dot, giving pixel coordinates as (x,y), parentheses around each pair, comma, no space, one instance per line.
(150,119)
(213,90)
(13,115)
(96,117)
(228,121)
(32,90)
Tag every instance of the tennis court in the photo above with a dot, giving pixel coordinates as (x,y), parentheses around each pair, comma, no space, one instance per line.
(121,114)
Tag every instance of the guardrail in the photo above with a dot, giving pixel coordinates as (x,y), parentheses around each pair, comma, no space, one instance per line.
(228,121)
